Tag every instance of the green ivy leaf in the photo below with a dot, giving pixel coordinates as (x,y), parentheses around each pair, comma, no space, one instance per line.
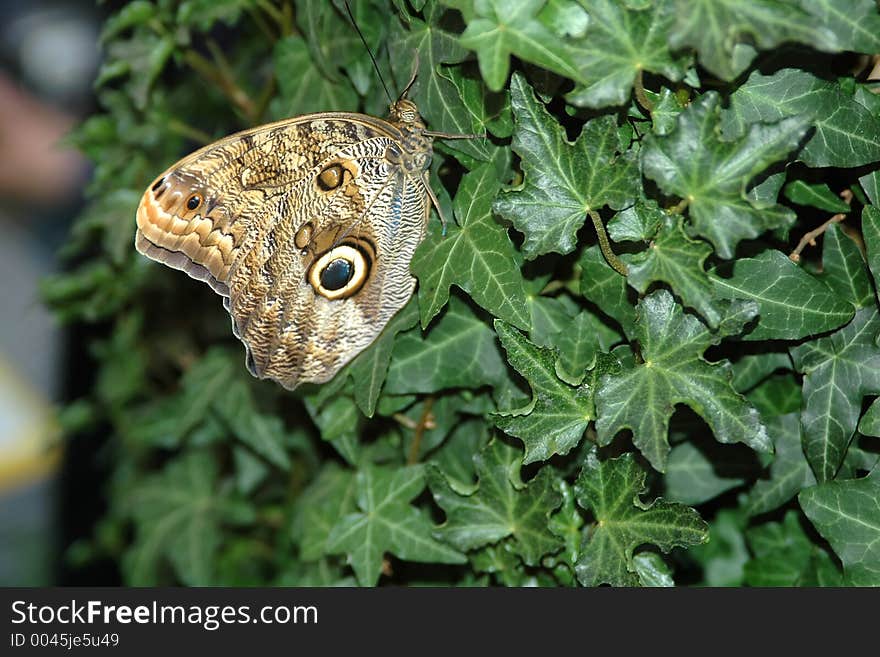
(784,555)
(556,417)
(667,106)
(839,370)
(792,304)
(250,471)
(847,514)
(789,472)
(502,563)
(751,370)
(611,490)
(844,268)
(637,223)
(385,522)
(642,397)
(264,434)
(817,195)
(548,314)
(847,134)
(331,495)
(179,513)
(455,457)
(137,12)
(503,28)
(674,258)
(578,344)
(606,288)
(567,523)
(618,45)
(459,351)
(140,60)
(491,110)
(723,32)
(501,505)
(869,425)
(871,184)
(203,14)
(854,23)
(713,175)
(563,180)
(871,233)
(369,369)
(652,570)
(725,554)
(339,422)
(308,90)
(213,392)
(778,395)
(692,478)
(478,257)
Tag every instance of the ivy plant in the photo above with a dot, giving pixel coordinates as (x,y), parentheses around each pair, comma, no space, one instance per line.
(646,352)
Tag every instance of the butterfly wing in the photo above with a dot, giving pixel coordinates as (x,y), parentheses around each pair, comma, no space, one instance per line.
(306,227)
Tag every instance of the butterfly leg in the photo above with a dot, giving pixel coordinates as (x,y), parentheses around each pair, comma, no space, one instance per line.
(449,135)
(443,221)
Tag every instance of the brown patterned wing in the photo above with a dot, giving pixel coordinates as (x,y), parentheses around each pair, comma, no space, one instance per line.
(305,227)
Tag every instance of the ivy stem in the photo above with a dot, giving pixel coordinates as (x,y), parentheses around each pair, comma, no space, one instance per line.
(425,422)
(287,27)
(262,24)
(809,237)
(190,132)
(605,245)
(283,17)
(680,207)
(641,96)
(265,97)
(272,10)
(221,75)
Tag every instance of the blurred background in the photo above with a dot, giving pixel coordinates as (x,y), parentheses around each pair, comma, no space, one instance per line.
(48,60)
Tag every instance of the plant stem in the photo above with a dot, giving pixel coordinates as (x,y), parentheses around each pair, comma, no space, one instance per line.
(809,237)
(641,96)
(272,10)
(190,132)
(605,245)
(221,75)
(680,207)
(265,97)
(262,24)
(426,421)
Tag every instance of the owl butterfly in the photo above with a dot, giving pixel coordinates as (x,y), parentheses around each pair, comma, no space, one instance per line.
(306,228)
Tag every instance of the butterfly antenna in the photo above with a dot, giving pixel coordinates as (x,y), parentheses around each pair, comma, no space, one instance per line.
(369,52)
(413,74)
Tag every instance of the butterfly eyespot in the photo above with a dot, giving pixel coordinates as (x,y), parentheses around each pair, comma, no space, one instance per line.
(340,272)
(303,236)
(331,177)
(337,274)
(393,154)
(193,202)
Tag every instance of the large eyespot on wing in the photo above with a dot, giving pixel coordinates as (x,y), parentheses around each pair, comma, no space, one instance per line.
(342,271)
(183,224)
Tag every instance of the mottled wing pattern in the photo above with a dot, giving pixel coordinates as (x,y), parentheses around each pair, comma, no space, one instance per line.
(306,227)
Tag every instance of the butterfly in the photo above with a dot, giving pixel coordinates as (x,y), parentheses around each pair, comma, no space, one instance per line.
(306,227)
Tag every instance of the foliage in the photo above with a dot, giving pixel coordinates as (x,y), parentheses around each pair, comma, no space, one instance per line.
(534,416)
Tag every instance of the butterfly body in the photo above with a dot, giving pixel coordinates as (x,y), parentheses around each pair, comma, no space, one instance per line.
(305,227)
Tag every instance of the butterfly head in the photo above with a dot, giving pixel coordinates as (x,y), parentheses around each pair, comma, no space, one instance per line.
(405,111)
